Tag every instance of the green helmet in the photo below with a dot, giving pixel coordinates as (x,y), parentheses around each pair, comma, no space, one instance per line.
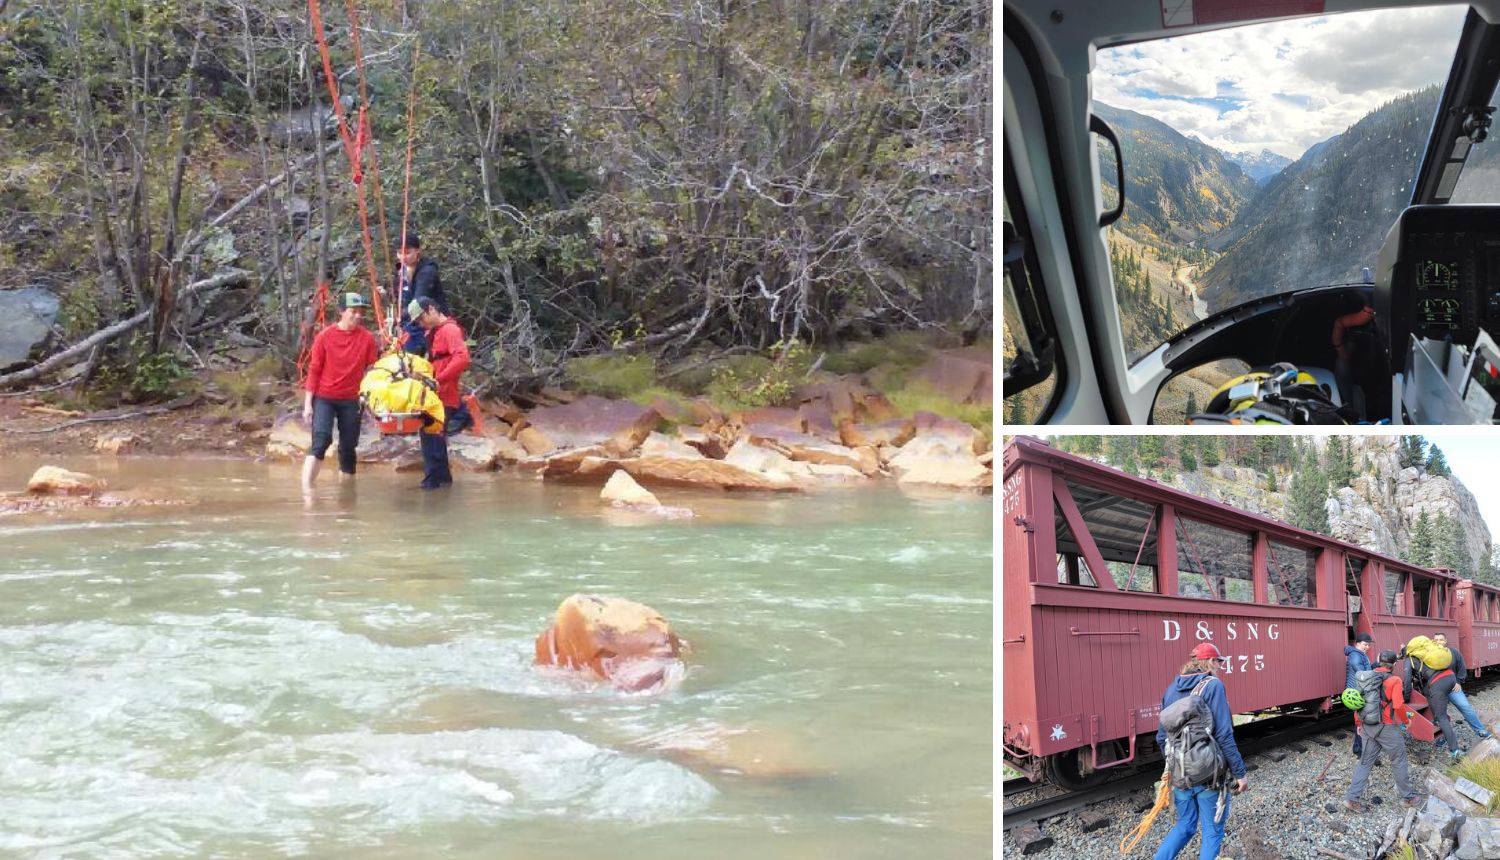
(1353,699)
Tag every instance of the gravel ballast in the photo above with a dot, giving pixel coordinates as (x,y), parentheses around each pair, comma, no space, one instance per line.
(1285,813)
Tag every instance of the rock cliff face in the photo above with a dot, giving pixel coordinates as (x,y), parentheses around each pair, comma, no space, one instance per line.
(1377,511)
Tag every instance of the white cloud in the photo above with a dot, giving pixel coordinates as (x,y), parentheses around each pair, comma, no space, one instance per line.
(1295,82)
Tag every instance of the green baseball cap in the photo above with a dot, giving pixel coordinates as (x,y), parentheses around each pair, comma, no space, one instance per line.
(353,300)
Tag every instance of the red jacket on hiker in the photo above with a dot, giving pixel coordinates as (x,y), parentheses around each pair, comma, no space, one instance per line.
(338,361)
(1394,714)
(449,356)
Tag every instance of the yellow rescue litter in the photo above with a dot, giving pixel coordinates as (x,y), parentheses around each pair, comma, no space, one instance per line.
(399,390)
(1432,655)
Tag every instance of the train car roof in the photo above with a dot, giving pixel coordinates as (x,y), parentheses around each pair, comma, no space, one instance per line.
(1027,449)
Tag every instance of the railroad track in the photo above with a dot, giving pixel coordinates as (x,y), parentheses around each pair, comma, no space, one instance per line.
(1273,732)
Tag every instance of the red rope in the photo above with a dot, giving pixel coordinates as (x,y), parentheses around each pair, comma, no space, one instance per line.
(364,100)
(411,134)
(355,143)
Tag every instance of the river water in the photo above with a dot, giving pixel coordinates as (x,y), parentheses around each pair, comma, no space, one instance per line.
(248,677)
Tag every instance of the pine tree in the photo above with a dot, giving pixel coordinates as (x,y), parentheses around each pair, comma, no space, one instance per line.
(1309,493)
(1118,448)
(1187,453)
(1210,449)
(1340,469)
(1451,550)
(1191,408)
(1420,543)
(1411,451)
(1437,463)
(1151,451)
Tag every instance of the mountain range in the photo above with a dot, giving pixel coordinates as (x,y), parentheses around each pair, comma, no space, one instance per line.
(1260,166)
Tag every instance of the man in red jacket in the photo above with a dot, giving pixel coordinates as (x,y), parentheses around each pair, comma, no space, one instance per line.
(449,356)
(339,358)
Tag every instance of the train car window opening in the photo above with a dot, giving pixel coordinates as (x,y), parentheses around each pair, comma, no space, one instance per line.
(1291,574)
(1071,568)
(1214,562)
(1423,603)
(1395,592)
(1125,532)
(1354,569)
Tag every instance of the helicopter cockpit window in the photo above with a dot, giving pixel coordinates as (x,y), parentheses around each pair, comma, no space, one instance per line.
(1262,159)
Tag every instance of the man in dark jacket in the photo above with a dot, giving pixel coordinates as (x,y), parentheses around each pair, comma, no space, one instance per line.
(1437,685)
(1457,695)
(417,278)
(1201,803)
(1388,737)
(1357,659)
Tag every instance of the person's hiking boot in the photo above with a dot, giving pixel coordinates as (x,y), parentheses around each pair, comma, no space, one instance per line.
(1358,807)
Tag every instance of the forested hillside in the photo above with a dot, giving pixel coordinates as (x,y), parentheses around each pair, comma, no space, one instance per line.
(678,181)
(1322,219)
(1394,495)
(1178,189)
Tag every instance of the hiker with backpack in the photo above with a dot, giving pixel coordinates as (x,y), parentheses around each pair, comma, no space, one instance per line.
(1356,660)
(1384,713)
(1196,735)
(1431,669)
(1457,696)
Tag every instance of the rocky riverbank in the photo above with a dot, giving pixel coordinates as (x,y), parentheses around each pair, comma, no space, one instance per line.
(834,432)
(1293,809)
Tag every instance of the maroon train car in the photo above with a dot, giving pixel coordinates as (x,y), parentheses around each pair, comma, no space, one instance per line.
(1479,625)
(1110,580)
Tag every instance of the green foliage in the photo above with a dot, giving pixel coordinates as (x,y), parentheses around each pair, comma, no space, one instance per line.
(159,376)
(1187,453)
(900,351)
(1421,543)
(246,387)
(612,375)
(1437,463)
(1210,449)
(914,397)
(749,381)
(1339,459)
(1486,773)
(1309,493)
(1451,551)
(1411,451)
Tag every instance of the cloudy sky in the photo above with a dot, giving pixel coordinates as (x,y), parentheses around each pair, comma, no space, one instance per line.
(1282,86)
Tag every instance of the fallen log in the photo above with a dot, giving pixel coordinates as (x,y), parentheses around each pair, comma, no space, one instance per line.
(77,351)
(113,415)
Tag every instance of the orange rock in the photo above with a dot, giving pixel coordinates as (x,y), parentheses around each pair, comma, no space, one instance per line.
(619,425)
(56,481)
(617,640)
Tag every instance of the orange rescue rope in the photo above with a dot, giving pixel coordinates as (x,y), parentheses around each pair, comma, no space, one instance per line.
(355,143)
(1133,838)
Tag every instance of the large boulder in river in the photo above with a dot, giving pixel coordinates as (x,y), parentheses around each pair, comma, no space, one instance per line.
(626,643)
(26,318)
(621,489)
(806,448)
(681,471)
(616,425)
(57,481)
(941,459)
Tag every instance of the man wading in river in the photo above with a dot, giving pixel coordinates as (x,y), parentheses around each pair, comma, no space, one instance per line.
(449,356)
(339,357)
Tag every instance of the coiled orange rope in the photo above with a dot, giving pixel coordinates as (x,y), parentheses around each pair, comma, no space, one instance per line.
(1131,839)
